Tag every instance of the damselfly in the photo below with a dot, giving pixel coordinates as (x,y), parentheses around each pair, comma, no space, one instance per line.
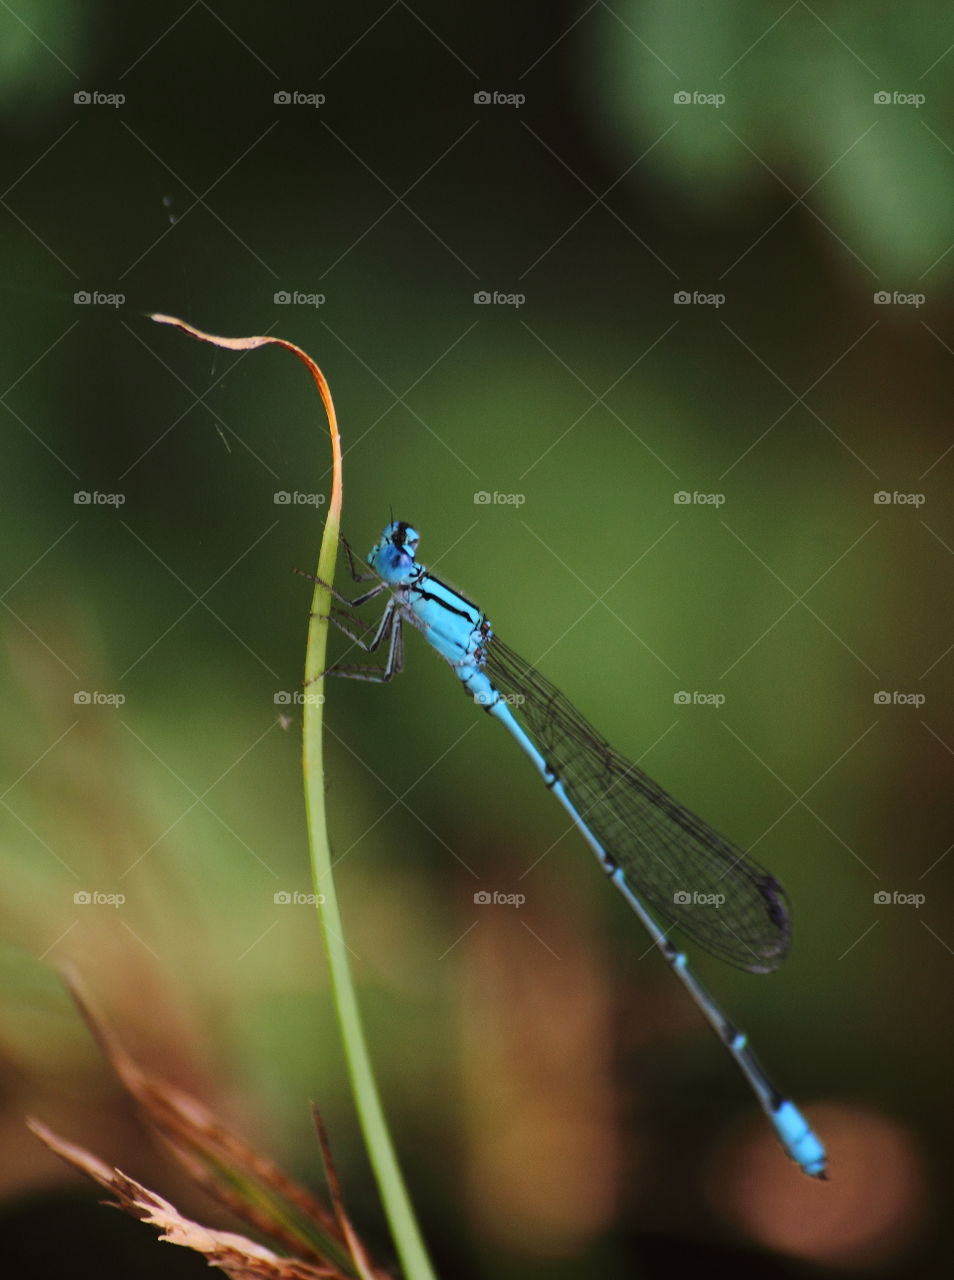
(657,854)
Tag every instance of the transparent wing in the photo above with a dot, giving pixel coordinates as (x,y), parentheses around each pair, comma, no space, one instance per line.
(673,860)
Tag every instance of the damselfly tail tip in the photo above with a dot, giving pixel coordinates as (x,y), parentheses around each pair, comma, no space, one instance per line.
(799,1140)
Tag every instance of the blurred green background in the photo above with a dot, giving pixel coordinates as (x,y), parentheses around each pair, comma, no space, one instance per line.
(717,241)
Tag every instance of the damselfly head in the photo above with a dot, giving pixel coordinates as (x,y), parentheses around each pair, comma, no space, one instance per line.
(402,535)
(392,558)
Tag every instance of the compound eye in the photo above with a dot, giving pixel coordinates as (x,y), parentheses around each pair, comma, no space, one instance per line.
(407,536)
